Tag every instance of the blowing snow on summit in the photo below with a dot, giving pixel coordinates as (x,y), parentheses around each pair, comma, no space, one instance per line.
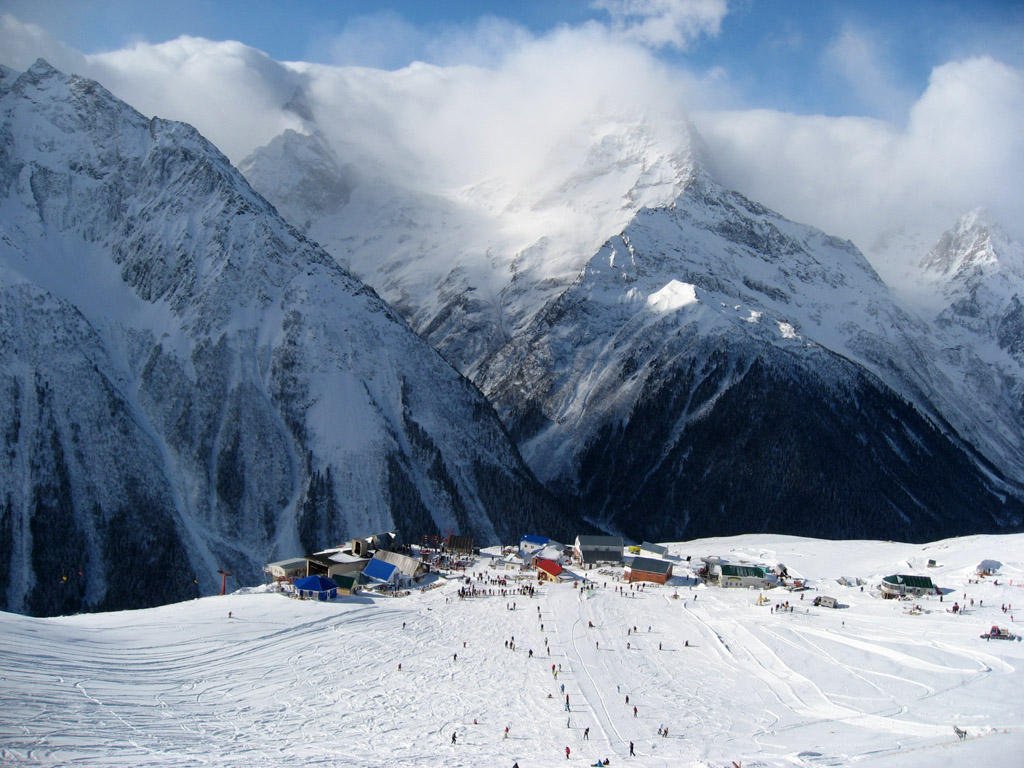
(325,301)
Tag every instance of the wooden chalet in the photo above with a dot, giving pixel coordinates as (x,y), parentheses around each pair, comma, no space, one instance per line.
(649,569)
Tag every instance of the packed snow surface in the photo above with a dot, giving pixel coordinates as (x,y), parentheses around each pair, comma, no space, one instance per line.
(675,295)
(300,683)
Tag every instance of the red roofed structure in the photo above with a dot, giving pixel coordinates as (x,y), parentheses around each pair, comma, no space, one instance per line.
(548,570)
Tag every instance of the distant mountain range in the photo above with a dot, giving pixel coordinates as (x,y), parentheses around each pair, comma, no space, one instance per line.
(190,382)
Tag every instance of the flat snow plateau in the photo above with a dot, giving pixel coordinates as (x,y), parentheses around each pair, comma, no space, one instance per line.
(301,683)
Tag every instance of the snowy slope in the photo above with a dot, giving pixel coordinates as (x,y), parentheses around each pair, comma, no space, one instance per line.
(309,684)
(468,264)
(187,379)
(717,368)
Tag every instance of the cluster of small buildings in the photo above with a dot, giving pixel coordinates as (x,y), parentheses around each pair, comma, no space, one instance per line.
(591,551)
(360,562)
(375,561)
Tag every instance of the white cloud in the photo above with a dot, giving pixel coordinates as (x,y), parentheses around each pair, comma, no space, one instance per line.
(21,44)
(384,40)
(962,147)
(664,23)
(525,110)
(857,58)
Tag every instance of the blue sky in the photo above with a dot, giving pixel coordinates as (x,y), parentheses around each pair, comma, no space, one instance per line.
(779,54)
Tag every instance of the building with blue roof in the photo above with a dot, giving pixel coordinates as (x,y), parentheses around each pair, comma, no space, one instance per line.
(381,571)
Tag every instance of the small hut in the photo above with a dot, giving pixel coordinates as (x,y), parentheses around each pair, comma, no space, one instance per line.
(316,588)
(903,585)
(649,569)
(549,570)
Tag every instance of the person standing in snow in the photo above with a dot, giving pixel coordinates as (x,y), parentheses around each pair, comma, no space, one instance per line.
(454,736)
(567,751)
(631,752)
(586,733)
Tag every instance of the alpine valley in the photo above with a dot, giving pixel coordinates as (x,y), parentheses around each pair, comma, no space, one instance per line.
(190,382)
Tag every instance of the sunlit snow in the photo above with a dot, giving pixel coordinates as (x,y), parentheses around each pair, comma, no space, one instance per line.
(675,295)
(259,679)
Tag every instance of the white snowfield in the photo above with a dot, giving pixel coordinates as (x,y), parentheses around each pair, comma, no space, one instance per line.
(299,683)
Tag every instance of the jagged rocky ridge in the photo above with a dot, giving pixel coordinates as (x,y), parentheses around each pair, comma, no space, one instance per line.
(189,384)
(718,369)
(469,267)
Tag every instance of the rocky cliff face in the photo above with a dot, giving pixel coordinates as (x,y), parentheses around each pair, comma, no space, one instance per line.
(712,371)
(188,383)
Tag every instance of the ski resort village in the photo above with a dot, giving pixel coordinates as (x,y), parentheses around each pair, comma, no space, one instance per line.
(408,384)
(747,651)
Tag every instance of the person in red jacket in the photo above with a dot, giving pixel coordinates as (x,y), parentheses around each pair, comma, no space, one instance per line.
(567,751)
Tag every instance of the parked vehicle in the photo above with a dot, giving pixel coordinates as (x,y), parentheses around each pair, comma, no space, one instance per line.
(1000,633)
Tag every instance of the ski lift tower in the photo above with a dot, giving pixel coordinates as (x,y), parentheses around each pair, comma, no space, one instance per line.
(223,580)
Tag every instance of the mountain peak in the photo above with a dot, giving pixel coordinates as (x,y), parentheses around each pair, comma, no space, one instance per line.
(972,245)
(42,68)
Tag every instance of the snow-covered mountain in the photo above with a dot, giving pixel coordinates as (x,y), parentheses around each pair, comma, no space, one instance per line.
(714,365)
(469,266)
(719,369)
(190,384)
(972,295)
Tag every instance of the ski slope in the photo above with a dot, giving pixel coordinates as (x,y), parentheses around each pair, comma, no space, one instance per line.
(301,683)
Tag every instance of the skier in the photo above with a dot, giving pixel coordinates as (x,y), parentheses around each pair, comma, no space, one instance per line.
(586,733)
(567,751)
(634,711)
(506,731)
(454,735)
(631,752)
